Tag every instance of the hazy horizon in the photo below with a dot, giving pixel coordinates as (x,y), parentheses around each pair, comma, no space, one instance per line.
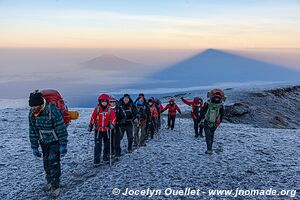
(48,44)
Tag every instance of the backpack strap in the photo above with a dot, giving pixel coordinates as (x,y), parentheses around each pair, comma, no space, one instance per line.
(50,112)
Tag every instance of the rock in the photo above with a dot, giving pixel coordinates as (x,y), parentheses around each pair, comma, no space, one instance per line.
(237,110)
(284,91)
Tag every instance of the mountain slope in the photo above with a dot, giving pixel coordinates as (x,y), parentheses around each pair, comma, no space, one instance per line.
(245,158)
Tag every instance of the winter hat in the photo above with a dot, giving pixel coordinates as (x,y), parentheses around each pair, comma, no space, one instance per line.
(127,95)
(112,98)
(141,95)
(103,97)
(36,99)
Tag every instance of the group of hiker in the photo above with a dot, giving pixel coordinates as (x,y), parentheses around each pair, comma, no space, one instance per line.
(110,120)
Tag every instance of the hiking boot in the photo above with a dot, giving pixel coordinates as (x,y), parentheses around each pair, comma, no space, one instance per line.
(46,187)
(196,136)
(97,165)
(117,158)
(209,152)
(105,159)
(143,145)
(55,192)
(201,135)
(129,151)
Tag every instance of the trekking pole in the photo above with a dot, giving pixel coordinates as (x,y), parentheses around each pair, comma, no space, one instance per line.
(179,125)
(110,148)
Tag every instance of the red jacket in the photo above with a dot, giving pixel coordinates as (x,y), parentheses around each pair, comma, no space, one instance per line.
(194,108)
(161,107)
(103,118)
(153,111)
(172,109)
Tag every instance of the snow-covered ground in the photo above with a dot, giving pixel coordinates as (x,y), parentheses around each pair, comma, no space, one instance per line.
(245,158)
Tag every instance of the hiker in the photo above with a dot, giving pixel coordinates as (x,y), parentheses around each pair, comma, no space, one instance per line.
(196,105)
(104,120)
(48,130)
(126,123)
(212,114)
(159,109)
(172,108)
(116,134)
(143,117)
(141,95)
(153,117)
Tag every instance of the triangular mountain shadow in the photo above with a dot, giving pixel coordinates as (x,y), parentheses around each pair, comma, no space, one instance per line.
(215,66)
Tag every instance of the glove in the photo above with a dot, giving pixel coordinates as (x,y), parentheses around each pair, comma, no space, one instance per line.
(111,126)
(136,121)
(180,112)
(36,152)
(181,98)
(63,150)
(90,128)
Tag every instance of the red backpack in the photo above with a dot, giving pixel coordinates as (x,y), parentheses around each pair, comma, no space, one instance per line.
(53,97)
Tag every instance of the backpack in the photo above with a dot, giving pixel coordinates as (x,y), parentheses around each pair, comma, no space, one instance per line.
(212,115)
(142,109)
(53,97)
(213,92)
(196,110)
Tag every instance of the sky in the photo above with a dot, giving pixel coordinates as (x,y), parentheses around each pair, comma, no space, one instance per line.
(44,43)
(155,24)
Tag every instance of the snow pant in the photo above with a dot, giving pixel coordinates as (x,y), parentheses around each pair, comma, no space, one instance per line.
(209,135)
(128,128)
(158,122)
(152,127)
(139,140)
(51,161)
(116,141)
(197,126)
(113,140)
(171,121)
(99,137)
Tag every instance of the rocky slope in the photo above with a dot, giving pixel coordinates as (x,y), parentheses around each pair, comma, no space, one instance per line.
(274,108)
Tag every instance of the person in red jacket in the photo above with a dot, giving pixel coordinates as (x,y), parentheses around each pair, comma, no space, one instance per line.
(196,105)
(153,117)
(159,109)
(104,120)
(172,108)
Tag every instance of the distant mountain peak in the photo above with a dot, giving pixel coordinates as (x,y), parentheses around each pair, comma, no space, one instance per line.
(110,62)
(108,56)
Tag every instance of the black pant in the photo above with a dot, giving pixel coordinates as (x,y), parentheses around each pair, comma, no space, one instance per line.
(152,128)
(171,122)
(128,128)
(51,160)
(197,126)
(209,135)
(117,141)
(158,122)
(99,136)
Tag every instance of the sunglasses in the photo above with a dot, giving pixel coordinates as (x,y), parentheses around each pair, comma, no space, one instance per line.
(112,102)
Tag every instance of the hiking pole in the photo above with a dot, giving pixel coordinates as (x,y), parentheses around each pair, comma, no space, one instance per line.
(179,125)
(110,148)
